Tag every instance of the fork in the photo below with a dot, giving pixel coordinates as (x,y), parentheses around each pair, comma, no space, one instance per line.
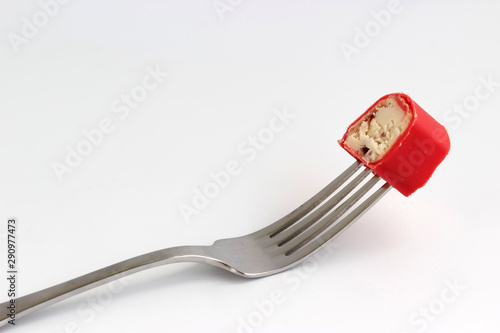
(270,250)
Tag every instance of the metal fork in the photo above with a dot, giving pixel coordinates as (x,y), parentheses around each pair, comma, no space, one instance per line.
(268,251)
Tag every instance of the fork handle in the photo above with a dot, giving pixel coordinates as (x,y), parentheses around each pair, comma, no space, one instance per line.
(43,298)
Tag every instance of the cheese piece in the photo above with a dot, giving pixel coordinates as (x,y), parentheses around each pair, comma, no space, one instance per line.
(399,141)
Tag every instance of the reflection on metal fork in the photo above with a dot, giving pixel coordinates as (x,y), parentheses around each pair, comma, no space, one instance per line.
(270,250)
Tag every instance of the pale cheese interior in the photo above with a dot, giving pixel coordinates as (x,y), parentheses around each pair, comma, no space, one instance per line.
(374,135)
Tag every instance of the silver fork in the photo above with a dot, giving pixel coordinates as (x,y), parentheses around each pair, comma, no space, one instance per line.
(268,251)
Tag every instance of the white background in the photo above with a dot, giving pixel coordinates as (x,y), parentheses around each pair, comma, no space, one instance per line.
(227,73)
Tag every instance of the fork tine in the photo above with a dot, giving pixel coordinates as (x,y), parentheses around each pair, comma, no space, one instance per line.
(318,240)
(321,225)
(288,220)
(309,220)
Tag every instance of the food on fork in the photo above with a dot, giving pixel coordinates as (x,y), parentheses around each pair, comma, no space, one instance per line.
(399,141)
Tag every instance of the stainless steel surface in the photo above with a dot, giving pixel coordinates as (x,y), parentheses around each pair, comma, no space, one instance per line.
(270,250)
